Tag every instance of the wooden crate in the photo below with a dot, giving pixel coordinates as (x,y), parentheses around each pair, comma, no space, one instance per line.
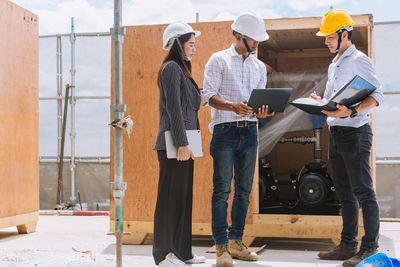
(19,116)
(293,46)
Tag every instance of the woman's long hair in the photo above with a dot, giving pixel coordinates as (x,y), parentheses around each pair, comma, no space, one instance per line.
(176,54)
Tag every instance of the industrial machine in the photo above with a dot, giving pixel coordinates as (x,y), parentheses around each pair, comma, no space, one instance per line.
(307,191)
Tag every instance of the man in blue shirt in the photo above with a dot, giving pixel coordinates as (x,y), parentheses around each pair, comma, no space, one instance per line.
(350,141)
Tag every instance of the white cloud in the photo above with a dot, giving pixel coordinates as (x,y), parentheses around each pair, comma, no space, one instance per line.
(304,5)
(225,16)
(35,4)
(55,16)
(138,12)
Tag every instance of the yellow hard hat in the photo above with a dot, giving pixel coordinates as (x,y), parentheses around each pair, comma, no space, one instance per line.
(334,20)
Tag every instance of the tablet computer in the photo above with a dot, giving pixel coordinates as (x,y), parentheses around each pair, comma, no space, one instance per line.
(275,98)
(194,139)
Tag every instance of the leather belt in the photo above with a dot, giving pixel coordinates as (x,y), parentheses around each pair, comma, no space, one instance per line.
(239,123)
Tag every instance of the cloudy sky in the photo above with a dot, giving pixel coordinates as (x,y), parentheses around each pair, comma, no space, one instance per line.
(97,15)
(93,54)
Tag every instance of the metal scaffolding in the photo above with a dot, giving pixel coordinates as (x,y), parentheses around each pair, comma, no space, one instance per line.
(118,109)
(72,99)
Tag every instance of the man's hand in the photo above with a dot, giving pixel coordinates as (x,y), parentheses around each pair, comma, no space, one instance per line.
(341,112)
(263,112)
(242,108)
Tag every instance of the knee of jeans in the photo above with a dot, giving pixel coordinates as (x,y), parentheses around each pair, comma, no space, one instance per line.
(242,194)
(244,199)
(365,194)
(221,192)
(346,197)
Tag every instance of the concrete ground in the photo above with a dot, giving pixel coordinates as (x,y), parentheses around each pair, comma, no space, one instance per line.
(58,238)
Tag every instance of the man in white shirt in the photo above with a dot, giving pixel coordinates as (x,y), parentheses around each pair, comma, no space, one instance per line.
(229,77)
(350,141)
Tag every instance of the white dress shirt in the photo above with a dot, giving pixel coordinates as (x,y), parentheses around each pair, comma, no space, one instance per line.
(230,77)
(340,72)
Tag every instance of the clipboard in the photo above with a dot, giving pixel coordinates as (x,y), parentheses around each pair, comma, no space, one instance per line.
(352,93)
(275,98)
(194,139)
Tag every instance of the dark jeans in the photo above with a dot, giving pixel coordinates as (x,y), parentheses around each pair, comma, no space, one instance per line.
(232,148)
(173,214)
(349,153)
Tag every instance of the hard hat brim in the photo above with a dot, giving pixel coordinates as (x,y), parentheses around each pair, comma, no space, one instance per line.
(321,34)
(197,33)
(259,38)
(262,38)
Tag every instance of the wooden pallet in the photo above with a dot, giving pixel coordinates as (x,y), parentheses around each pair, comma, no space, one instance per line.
(264,225)
(25,223)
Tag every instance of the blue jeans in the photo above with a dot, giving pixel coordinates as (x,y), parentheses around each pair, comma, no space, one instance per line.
(349,152)
(232,148)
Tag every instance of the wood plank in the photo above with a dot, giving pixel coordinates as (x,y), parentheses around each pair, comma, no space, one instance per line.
(271,42)
(19,111)
(300,53)
(309,22)
(298,226)
(26,221)
(264,225)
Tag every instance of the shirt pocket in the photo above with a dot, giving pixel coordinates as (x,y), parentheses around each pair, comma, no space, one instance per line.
(344,74)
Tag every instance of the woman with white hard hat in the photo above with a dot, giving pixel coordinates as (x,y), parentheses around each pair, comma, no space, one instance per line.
(179,103)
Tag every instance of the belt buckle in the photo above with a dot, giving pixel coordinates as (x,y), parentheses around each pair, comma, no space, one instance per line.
(241,124)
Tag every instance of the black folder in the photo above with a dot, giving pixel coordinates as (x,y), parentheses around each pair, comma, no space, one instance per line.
(275,98)
(355,91)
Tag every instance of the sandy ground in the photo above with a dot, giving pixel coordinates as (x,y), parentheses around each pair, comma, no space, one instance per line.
(56,237)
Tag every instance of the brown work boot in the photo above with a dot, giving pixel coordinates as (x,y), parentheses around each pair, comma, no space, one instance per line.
(338,253)
(224,257)
(360,256)
(240,251)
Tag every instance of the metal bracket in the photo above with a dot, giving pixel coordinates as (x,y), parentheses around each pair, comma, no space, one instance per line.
(118,233)
(118,34)
(118,186)
(118,31)
(119,189)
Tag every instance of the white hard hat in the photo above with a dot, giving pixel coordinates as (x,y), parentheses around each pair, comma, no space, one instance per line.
(175,30)
(250,25)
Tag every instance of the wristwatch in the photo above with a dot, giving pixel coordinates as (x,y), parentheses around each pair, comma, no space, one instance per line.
(353,112)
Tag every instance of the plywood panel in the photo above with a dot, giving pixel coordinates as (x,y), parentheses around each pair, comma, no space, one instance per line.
(142,57)
(19,160)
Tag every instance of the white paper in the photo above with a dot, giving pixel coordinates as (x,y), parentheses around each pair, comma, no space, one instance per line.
(308,101)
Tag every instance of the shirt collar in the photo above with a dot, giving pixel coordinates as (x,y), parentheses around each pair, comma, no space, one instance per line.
(233,51)
(346,53)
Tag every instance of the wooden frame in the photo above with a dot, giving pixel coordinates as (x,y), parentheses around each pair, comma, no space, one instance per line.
(19,115)
(142,56)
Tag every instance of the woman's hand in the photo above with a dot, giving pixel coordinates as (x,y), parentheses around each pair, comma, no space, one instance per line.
(184,153)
